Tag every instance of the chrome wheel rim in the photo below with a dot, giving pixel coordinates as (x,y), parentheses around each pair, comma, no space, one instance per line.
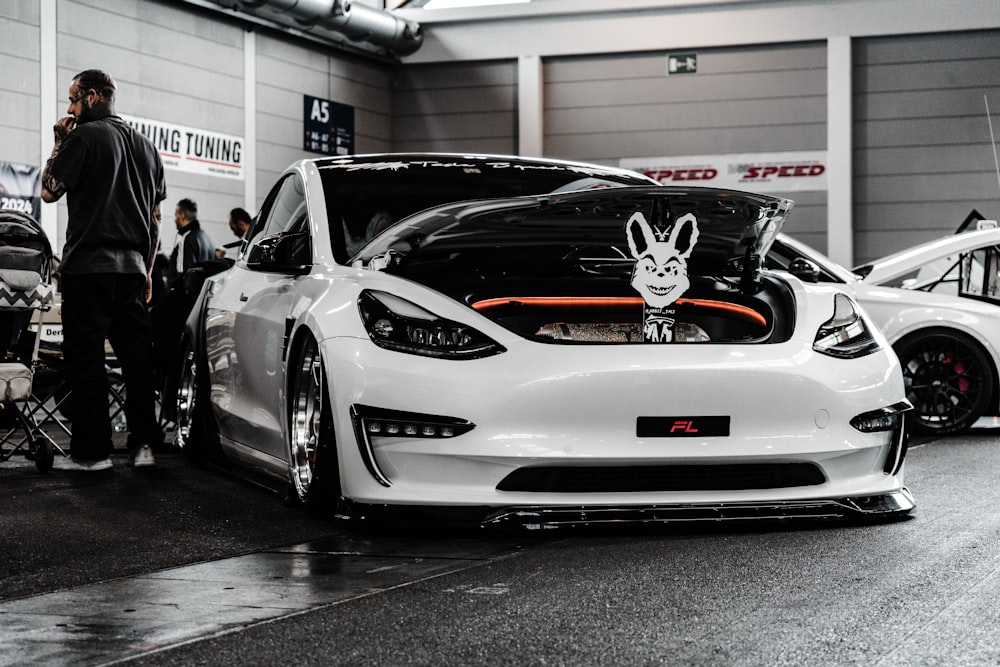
(307,402)
(185,399)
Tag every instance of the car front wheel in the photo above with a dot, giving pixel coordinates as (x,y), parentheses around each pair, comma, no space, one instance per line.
(948,378)
(196,433)
(313,465)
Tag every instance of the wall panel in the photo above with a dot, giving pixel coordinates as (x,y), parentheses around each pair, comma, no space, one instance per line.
(744,99)
(923,156)
(20,95)
(462,107)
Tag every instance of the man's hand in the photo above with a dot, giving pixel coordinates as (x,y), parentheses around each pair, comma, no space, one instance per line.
(52,188)
(61,129)
(149,287)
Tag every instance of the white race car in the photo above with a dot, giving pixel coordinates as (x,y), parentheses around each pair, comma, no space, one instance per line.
(938,303)
(589,354)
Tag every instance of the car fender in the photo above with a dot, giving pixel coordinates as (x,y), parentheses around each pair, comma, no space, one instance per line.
(899,313)
(898,322)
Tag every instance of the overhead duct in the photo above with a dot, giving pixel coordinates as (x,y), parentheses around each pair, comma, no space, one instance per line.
(356,22)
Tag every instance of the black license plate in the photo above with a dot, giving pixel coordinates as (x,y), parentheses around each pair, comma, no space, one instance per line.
(681,427)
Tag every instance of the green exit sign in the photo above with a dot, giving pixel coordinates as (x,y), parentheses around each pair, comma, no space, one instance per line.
(682,63)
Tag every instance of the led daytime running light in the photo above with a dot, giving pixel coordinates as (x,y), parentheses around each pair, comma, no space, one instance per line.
(873,422)
(378,427)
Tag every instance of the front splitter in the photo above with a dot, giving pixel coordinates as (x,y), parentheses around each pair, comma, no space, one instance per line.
(893,505)
(888,506)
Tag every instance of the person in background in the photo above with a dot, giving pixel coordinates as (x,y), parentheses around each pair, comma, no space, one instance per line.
(114,180)
(239,222)
(193,243)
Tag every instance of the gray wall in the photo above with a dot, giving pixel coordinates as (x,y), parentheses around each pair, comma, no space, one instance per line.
(20,84)
(922,158)
(742,100)
(462,107)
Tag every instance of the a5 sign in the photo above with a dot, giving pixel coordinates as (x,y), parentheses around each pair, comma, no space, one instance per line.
(682,427)
(328,126)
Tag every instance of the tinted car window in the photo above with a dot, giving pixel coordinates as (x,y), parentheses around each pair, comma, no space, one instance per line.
(288,210)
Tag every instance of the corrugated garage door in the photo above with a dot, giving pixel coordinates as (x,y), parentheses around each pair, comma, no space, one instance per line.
(922,157)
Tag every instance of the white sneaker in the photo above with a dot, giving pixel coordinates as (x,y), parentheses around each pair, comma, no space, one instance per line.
(73,465)
(143,457)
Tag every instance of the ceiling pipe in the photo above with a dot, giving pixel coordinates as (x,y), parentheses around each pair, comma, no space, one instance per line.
(356,22)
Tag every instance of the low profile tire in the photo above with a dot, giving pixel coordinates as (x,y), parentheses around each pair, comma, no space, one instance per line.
(196,433)
(948,379)
(312,461)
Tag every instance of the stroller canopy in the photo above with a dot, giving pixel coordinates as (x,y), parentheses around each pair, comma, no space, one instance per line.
(25,262)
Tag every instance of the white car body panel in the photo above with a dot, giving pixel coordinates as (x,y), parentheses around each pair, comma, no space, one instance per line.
(911,259)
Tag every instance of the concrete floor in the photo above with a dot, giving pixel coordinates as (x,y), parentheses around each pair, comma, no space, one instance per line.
(180,565)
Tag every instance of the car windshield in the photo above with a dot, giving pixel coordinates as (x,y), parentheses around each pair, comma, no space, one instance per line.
(366,196)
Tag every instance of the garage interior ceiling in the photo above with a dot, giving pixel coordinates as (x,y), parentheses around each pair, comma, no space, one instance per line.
(339,23)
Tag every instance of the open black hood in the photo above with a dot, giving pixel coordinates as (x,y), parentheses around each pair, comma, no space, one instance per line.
(585,234)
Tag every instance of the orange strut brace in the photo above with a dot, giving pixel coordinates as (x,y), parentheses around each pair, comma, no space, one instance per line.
(611,301)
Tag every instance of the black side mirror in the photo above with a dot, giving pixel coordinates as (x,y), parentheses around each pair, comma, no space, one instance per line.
(284,253)
(804,270)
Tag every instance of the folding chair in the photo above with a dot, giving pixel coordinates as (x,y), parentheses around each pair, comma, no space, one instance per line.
(17,375)
(25,288)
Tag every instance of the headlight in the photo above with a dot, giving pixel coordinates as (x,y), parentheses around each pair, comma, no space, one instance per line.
(846,335)
(400,325)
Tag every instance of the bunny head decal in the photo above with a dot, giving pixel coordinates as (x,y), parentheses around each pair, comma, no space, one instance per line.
(660,273)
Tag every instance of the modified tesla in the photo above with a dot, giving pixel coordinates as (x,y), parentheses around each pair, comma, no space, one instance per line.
(587,353)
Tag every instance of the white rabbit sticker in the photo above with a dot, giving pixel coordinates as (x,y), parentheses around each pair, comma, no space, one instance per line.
(660,272)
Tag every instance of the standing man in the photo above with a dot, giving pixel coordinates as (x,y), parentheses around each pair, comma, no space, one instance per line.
(114,180)
(193,243)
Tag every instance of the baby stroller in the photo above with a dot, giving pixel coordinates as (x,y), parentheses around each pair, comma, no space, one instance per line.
(25,290)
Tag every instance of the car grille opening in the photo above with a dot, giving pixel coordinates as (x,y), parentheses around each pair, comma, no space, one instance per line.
(681,477)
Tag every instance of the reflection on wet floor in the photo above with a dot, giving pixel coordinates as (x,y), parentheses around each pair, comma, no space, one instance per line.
(123,618)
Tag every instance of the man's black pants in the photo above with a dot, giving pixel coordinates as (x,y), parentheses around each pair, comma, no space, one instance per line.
(113,306)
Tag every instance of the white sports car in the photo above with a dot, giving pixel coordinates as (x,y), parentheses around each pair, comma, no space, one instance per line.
(937,303)
(589,354)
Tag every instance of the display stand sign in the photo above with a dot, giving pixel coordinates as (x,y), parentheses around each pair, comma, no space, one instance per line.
(328,126)
(192,150)
(754,172)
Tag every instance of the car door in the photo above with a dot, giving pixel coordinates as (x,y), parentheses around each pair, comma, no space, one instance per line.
(247,325)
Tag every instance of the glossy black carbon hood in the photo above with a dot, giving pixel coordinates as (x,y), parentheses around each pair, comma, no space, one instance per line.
(582,234)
